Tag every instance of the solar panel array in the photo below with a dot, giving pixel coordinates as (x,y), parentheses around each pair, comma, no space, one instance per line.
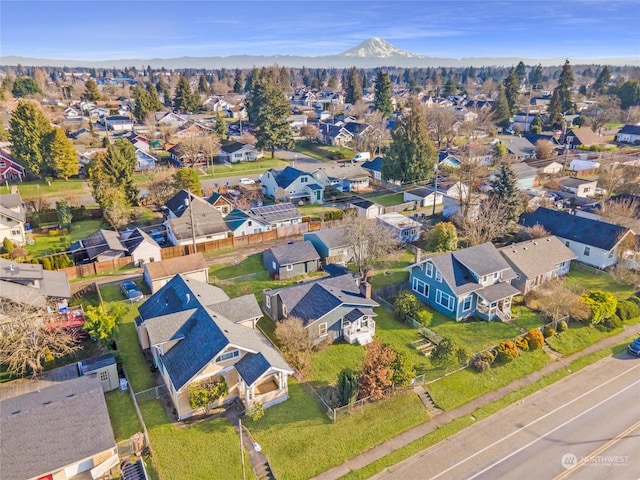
(277,210)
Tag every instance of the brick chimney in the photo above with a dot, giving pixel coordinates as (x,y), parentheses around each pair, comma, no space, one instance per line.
(365,289)
(418,255)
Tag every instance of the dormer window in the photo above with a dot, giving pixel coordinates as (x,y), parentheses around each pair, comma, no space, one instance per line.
(429,269)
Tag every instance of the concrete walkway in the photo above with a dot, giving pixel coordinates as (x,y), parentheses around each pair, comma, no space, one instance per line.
(421,430)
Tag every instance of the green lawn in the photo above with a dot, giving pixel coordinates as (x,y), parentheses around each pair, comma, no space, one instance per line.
(46,245)
(49,188)
(129,347)
(386,199)
(317,210)
(578,337)
(240,168)
(250,265)
(584,278)
(527,318)
(327,364)
(206,450)
(124,420)
(463,386)
(477,336)
(322,152)
(300,441)
(392,271)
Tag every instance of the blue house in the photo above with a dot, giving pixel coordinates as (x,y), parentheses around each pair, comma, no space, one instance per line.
(292,184)
(474,281)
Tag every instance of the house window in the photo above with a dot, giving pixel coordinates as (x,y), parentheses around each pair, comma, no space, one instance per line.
(3,165)
(267,301)
(611,254)
(495,275)
(466,304)
(587,251)
(322,329)
(273,264)
(444,299)
(438,276)
(104,376)
(284,311)
(483,279)
(345,323)
(289,268)
(566,243)
(15,232)
(429,270)
(420,287)
(304,179)
(228,355)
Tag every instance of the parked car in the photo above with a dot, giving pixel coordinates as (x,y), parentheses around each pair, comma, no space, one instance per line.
(634,347)
(246,181)
(131,291)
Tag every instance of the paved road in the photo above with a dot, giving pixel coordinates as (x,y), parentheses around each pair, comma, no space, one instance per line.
(592,416)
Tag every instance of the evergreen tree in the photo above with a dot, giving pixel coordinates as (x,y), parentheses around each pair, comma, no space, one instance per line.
(535,75)
(119,166)
(501,111)
(163,89)
(521,72)
(91,92)
(238,81)
(511,90)
(269,109)
(65,215)
(147,101)
(353,89)
(561,99)
(505,188)
(629,94)
(347,386)
(383,94)
(23,86)
(61,155)
(184,99)
(603,80)
(28,129)
(187,179)
(252,78)
(203,86)
(220,128)
(411,155)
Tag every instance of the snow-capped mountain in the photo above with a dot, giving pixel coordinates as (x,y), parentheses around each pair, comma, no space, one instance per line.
(375,47)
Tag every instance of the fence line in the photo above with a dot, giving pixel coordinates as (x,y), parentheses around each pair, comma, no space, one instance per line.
(151,393)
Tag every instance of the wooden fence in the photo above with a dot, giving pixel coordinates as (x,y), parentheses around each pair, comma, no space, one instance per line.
(96,268)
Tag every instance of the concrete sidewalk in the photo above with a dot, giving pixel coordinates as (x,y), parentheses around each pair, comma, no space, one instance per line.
(399,441)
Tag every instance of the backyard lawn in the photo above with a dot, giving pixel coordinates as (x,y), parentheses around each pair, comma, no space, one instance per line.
(463,386)
(392,270)
(578,337)
(300,441)
(128,345)
(585,278)
(46,245)
(50,188)
(478,336)
(323,152)
(241,168)
(250,265)
(124,420)
(386,199)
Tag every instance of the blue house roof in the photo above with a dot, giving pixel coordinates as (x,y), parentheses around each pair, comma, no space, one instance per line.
(251,367)
(287,176)
(374,165)
(571,227)
(235,219)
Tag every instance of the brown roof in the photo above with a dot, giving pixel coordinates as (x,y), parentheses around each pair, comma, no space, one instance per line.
(586,136)
(174,266)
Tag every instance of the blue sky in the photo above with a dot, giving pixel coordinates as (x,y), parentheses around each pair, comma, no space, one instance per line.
(101,30)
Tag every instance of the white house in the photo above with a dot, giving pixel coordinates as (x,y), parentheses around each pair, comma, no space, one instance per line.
(579,187)
(12,218)
(423,196)
(239,152)
(629,134)
(142,248)
(405,229)
(293,185)
(366,208)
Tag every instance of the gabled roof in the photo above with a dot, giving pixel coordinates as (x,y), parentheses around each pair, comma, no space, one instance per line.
(182,316)
(206,218)
(174,266)
(273,213)
(236,218)
(331,237)
(11,206)
(361,202)
(287,176)
(572,227)
(523,170)
(251,367)
(585,136)
(313,300)
(33,425)
(630,129)
(17,278)
(218,198)
(294,253)
(519,146)
(537,257)
(102,241)
(235,146)
(355,128)
(374,165)
(137,238)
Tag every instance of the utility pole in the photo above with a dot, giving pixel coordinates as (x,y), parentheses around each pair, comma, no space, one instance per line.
(193,226)
(244,475)
(435,189)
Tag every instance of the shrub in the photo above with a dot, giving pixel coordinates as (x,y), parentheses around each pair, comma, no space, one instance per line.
(548,331)
(255,412)
(507,351)
(562,326)
(406,305)
(479,363)
(535,339)
(347,386)
(488,356)
(424,316)
(627,310)
(205,393)
(46,263)
(634,299)
(522,344)
(8,246)
(463,354)
(602,305)
(611,323)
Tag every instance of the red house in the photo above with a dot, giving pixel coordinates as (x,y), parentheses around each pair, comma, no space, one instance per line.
(9,168)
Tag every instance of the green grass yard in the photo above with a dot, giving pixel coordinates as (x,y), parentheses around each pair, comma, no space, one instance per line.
(250,265)
(323,152)
(129,347)
(584,278)
(527,318)
(300,441)
(579,336)
(124,420)
(242,168)
(385,199)
(479,335)
(46,244)
(47,188)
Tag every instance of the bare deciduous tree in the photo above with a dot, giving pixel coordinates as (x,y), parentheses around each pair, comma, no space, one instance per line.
(295,343)
(489,223)
(371,242)
(620,211)
(440,122)
(310,132)
(375,138)
(544,149)
(161,187)
(556,301)
(26,344)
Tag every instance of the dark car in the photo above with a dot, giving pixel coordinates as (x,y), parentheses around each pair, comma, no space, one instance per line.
(131,291)
(634,347)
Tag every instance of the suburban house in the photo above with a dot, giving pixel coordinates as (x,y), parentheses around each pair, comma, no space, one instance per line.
(193,266)
(629,134)
(241,223)
(423,196)
(195,332)
(10,170)
(141,247)
(525,174)
(331,244)
(365,208)
(192,129)
(474,281)
(522,121)
(144,161)
(405,229)
(582,136)
(595,243)
(579,187)
(292,185)
(169,119)
(182,156)
(189,217)
(278,215)
(519,147)
(221,203)
(13,216)
(291,260)
(239,152)
(99,246)
(330,308)
(118,123)
(57,432)
(343,135)
(297,121)
(546,167)
(374,167)
(537,261)
(31,284)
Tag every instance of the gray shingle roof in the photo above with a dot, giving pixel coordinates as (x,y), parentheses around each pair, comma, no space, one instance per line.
(295,253)
(30,280)
(498,291)
(482,259)
(331,237)
(136,239)
(207,219)
(238,309)
(51,428)
(251,367)
(102,241)
(536,257)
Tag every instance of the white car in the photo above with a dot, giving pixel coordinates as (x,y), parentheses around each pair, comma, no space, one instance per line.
(246,181)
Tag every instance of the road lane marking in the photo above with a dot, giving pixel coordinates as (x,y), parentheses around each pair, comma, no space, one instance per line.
(515,432)
(596,452)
